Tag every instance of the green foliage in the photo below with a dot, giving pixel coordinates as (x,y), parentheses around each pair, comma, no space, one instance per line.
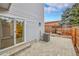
(71,15)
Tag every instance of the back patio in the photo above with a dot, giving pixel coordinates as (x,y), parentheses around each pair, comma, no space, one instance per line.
(57,46)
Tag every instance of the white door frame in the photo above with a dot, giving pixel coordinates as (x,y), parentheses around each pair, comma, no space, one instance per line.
(14,19)
(15,30)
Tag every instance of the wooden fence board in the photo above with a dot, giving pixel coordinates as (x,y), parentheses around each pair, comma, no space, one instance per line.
(77,38)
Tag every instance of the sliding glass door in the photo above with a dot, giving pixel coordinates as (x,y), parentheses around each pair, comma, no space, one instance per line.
(11,32)
(6,33)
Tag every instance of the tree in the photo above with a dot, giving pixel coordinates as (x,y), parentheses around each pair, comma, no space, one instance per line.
(71,15)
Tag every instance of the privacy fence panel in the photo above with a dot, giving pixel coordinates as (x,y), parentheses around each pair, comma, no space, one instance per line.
(77,37)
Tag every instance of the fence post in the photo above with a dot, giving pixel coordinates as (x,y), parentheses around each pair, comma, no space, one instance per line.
(74,35)
(77,37)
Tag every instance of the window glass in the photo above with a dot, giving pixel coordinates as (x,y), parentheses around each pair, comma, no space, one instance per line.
(19,31)
(6,33)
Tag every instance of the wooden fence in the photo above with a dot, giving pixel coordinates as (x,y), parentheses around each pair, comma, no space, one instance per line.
(64,31)
(68,31)
(77,38)
(73,32)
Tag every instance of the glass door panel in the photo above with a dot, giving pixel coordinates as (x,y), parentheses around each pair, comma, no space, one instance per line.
(19,31)
(6,33)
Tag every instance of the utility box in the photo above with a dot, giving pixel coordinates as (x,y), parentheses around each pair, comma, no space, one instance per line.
(46,37)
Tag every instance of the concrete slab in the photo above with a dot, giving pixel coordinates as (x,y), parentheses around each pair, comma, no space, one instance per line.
(57,46)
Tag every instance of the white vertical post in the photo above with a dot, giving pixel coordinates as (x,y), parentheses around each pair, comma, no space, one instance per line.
(24,30)
(14,32)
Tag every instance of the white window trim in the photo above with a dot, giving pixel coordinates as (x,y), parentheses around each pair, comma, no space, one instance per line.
(24,30)
(14,32)
(14,18)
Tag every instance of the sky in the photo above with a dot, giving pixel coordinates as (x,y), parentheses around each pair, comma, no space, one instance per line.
(53,11)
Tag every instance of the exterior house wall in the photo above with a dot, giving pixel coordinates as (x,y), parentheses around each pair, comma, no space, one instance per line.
(32,12)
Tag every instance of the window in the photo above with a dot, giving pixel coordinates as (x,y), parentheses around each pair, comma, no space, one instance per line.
(19,31)
(6,33)
(11,32)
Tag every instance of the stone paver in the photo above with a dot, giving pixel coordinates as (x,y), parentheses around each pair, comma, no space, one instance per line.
(57,46)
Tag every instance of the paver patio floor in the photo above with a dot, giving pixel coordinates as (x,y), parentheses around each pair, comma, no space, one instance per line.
(57,46)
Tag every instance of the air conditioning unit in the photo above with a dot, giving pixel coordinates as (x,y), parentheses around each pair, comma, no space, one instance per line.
(46,37)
